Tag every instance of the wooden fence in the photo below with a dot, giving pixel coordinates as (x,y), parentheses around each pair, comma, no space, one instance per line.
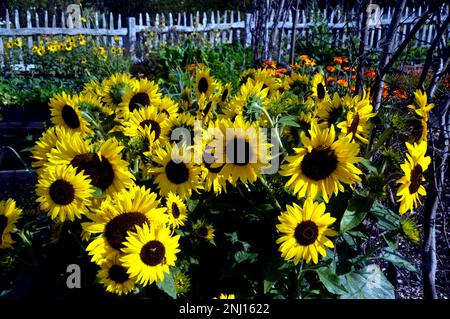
(216,27)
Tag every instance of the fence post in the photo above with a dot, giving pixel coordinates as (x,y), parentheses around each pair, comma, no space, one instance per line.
(132,37)
(248,31)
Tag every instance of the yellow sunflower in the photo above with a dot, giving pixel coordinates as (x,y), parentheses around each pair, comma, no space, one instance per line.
(168,107)
(332,112)
(270,82)
(115,87)
(9,215)
(65,113)
(175,171)
(226,296)
(149,252)
(176,209)
(105,167)
(203,82)
(357,123)
(206,107)
(202,230)
(89,102)
(322,164)
(183,120)
(117,215)
(318,88)
(421,107)
(304,231)
(114,277)
(143,93)
(245,151)
(63,193)
(410,190)
(225,93)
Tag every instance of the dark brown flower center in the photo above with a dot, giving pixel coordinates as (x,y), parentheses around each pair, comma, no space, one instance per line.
(177,173)
(242,152)
(354,126)
(152,253)
(202,231)
(62,192)
(203,85)
(118,274)
(306,233)
(154,127)
(175,210)
(319,163)
(320,91)
(139,100)
(3,224)
(416,178)
(116,229)
(335,115)
(224,95)
(207,108)
(70,117)
(99,170)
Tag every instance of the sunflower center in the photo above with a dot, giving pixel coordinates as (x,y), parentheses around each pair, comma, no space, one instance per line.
(3,224)
(306,233)
(99,170)
(335,115)
(62,192)
(416,177)
(70,117)
(319,163)
(237,158)
(224,95)
(116,229)
(175,210)
(138,100)
(177,173)
(207,108)
(320,91)
(152,253)
(203,85)
(118,274)
(202,231)
(154,127)
(354,126)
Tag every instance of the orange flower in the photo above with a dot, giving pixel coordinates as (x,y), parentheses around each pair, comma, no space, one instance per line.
(342,82)
(346,68)
(281,71)
(400,94)
(385,93)
(340,60)
(304,57)
(331,69)
(352,89)
(370,73)
(270,63)
(331,79)
(295,66)
(353,76)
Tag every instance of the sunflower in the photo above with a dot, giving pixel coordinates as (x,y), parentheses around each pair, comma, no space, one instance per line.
(89,102)
(175,171)
(149,123)
(414,166)
(42,147)
(9,215)
(114,277)
(182,282)
(270,82)
(322,164)
(226,296)
(63,193)
(105,167)
(115,87)
(168,107)
(421,108)
(410,230)
(142,93)
(357,123)
(176,210)
(206,107)
(203,82)
(202,230)
(298,83)
(304,231)
(332,112)
(65,113)
(183,120)
(93,87)
(149,252)
(245,151)
(318,88)
(225,93)
(117,215)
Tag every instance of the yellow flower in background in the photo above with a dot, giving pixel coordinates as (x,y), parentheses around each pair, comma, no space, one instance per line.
(226,296)
(322,164)
(204,231)
(83,60)
(421,107)
(10,44)
(176,209)
(410,230)
(305,231)
(115,278)
(9,216)
(318,87)
(149,252)
(41,51)
(410,190)
(18,42)
(81,40)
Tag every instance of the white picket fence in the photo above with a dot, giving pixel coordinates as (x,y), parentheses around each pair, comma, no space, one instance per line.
(217,27)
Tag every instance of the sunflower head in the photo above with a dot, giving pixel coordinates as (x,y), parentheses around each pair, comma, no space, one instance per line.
(176,209)
(203,231)
(203,82)
(113,275)
(410,230)
(318,88)
(9,215)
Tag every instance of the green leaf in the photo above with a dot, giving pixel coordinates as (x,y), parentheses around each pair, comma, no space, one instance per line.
(278,269)
(383,138)
(367,283)
(385,217)
(98,193)
(331,281)
(396,259)
(369,166)
(289,120)
(168,286)
(355,213)
(242,255)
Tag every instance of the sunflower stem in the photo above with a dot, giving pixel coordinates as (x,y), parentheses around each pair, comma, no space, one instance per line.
(269,190)
(272,125)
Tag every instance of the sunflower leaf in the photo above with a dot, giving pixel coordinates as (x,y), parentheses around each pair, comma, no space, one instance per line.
(385,218)
(289,120)
(331,281)
(355,213)
(396,259)
(168,286)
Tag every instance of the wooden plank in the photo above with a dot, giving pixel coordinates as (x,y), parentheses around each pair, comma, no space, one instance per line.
(45,19)
(104,26)
(238,31)
(170,25)
(66,31)
(212,34)
(17,26)
(29,25)
(119,27)
(111,28)
(63,19)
